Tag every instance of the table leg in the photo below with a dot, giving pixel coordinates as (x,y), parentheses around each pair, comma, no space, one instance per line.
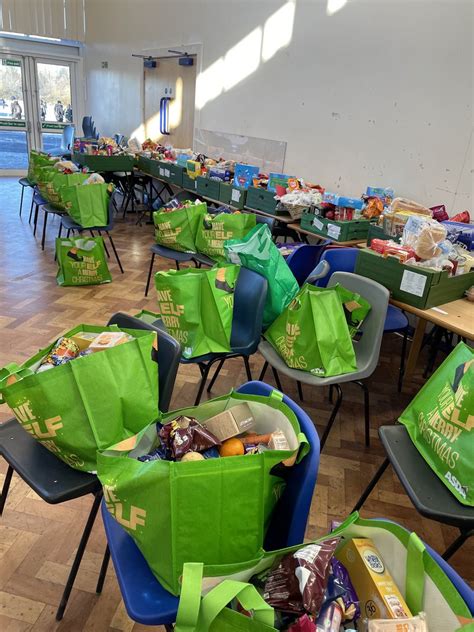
(415,347)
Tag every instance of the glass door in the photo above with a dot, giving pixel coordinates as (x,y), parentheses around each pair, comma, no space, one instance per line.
(55,101)
(15,116)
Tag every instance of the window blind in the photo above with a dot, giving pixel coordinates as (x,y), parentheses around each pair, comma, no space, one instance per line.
(63,19)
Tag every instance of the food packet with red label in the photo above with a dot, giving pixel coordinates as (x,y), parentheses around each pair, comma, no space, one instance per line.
(298,582)
(185,434)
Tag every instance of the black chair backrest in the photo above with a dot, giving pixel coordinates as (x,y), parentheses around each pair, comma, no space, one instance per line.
(168,355)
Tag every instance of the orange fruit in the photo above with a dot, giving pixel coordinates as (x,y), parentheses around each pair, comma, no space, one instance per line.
(232,447)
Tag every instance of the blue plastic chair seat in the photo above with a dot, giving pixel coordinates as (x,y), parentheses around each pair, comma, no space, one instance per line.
(24,182)
(395,320)
(69,224)
(146,601)
(169,253)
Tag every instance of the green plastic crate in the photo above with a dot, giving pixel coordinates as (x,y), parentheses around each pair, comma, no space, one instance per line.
(176,174)
(337,230)
(148,165)
(414,285)
(105,163)
(208,188)
(376,232)
(261,200)
(189,183)
(164,172)
(232,195)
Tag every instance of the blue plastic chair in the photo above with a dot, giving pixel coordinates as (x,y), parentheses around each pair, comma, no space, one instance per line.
(344,260)
(146,601)
(249,302)
(304,259)
(183,257)
(67,141)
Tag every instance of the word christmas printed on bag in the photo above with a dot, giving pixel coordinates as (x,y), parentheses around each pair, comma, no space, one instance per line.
(136,516)
(86,269)
(286,344)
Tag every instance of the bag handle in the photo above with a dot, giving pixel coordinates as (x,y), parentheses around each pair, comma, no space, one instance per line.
(8,371)
(196,615)
(415,574)
(304,446)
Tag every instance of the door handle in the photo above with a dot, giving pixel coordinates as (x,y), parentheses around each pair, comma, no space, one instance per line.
(165,115)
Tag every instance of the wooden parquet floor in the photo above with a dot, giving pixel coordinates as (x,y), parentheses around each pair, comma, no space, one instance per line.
(38,541)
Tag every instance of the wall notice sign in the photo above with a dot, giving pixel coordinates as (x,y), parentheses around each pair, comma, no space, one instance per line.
(235,197)
(167,173)
(413,283)
(317,224)
(161,171)
(334,231)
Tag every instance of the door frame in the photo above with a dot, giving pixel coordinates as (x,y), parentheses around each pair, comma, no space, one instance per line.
(192,49)
(29,53)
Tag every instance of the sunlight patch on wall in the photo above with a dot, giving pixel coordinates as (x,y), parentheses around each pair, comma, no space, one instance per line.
(278,30)
(334,6)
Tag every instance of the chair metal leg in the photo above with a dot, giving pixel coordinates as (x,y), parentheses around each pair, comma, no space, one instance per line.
(331,393)
(247,368)
(332,418)
(21,199)
(177,264)
(103,571)
(263,371)
(115,252)
(31,209)
(216,373)
(68,232)
(366,411)
(371,485)
(277,379)
(5,488)
(35,220)
(150,272)
(105,245)
(204,368)
(402,360)
(43,238)
(300,390)
(79,554)
(458,542)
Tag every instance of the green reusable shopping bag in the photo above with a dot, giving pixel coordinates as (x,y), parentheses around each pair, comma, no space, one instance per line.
(312,333)
(87,204)
(214,511)
(88,403)
(420,579)
(440,422)
(177,229)
(197,306)
(81,261)
(214,230)
(211,614)
(38,159)
(57,180)
(256,251)
(355,307)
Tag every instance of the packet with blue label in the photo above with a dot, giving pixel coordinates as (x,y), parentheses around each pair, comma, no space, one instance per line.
(244,175)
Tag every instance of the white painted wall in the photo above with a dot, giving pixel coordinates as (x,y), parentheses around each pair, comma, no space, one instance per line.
(379,93)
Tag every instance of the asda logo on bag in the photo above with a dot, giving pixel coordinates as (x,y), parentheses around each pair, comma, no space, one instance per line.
(130,519)
(456,484)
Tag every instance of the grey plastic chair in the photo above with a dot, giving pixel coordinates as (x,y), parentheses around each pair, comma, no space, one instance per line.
(367,349)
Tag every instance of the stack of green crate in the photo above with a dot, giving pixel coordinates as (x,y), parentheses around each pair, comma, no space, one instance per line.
(164,172)
(232,195)
(261,200)
(346,230)
(176,174)
(148,165)
(414,285)
(100,163)
(188,182)
(376,232)
(207,187)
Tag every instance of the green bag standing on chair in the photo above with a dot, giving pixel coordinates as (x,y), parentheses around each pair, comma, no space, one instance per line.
(87,204)
(38,159)
(81,261)
(312,334)
(59,180)
(88,403)
(440,422)
(214,230)
(215,510)
(176,229)
(197,307)
(256,251)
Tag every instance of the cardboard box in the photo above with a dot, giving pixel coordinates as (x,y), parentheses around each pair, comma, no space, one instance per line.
(378,594)
(231,422)
(83,339)
(108,339)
